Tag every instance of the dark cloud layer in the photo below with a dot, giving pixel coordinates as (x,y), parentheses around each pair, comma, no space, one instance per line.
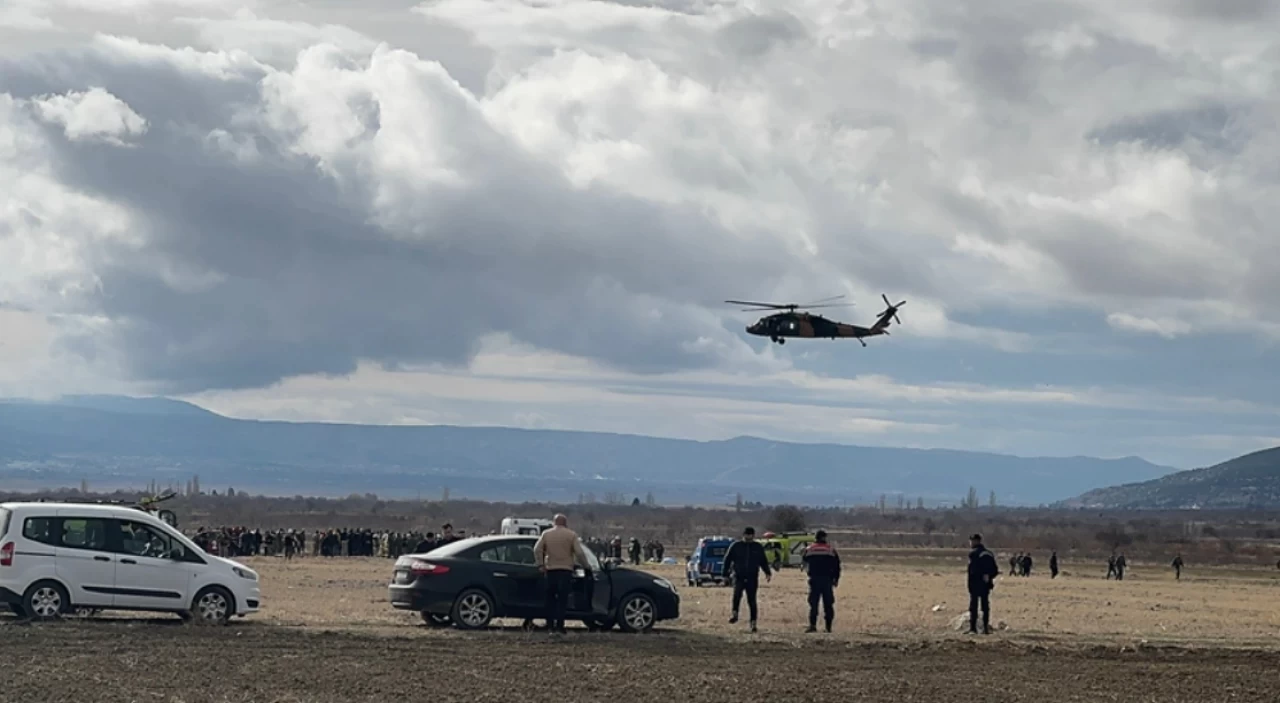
(306,284)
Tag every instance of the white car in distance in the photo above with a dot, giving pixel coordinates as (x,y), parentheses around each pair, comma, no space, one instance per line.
(57,557)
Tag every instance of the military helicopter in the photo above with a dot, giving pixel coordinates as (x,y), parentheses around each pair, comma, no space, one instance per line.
(792,323)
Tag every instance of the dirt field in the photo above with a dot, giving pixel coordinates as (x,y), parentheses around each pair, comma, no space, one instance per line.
(327,634)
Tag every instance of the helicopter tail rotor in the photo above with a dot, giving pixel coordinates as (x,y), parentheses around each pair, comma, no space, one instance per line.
(891,310)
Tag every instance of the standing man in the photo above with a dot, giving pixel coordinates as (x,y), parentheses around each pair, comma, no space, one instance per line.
(556,552)
(446,535)
(1177,567)
(1053,565)
(822,562)
(743,562)
(1120,564)
(983,570)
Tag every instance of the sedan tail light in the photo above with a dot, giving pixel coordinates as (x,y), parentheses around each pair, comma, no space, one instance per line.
(6,554)
(426,568)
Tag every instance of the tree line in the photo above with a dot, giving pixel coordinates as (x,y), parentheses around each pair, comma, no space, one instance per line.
(1207,537)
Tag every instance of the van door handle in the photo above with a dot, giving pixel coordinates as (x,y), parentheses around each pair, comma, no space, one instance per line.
(102,558)
(499,574)
(128,561)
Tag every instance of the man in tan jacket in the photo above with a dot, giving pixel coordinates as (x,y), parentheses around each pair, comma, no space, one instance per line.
(557,552)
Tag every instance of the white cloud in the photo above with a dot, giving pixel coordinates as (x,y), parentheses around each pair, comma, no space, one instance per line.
(91,114)
(1165,327)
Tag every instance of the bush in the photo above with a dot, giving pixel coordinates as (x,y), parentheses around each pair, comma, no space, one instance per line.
(786,518)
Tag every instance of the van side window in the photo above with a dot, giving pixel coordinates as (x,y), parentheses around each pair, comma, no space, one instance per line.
(84,533)
(145,541)
(41,529)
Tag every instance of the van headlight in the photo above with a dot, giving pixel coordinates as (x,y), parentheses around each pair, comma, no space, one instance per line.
(244,573)
(665,584)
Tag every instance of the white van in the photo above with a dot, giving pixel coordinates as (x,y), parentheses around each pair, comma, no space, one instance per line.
(525,526)
(55,557)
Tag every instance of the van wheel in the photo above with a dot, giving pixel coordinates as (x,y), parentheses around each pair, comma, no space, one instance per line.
(213,606)
(637,613)
(473,610)
(46,600)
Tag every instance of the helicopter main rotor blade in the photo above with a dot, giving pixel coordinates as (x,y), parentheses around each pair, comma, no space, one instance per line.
(824,300)
(767,306)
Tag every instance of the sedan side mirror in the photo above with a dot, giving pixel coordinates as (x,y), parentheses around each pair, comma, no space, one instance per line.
(177,555)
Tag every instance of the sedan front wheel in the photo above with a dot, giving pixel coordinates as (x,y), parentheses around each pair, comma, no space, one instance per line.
(637,613)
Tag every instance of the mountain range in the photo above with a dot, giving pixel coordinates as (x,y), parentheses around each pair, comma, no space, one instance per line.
(121,442)
(1251,481)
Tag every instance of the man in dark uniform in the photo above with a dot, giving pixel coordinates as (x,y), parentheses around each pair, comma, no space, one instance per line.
(983,570)
(743,562)
(1177,568)
(822,562)
(1053,565)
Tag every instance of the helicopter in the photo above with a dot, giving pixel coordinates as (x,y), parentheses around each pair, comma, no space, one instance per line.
(791,323)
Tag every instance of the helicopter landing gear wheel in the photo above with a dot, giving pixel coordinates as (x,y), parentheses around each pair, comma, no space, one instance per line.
(782,340)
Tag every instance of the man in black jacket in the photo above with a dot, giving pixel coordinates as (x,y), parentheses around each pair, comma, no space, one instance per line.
(822,561)
(743,563)
(982,573)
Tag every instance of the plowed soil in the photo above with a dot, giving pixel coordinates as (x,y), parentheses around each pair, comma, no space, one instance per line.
(117,661)
(327,634)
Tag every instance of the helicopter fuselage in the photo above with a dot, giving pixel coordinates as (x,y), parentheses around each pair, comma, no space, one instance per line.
(805,325)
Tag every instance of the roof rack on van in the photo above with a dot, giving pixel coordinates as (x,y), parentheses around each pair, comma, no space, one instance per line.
(146,504)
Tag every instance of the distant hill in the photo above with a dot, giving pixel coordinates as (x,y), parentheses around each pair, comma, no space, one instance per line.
(1250,481)
(127,442)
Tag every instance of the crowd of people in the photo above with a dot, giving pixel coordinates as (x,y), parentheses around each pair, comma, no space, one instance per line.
(637,552)
(347,542)
(241,541)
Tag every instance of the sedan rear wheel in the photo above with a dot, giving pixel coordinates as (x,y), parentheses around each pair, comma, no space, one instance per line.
(637,613)
(473,610)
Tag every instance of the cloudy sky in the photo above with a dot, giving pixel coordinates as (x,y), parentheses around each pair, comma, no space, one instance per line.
(527,213)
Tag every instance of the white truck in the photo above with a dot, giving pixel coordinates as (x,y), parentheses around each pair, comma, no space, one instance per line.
(525,526)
